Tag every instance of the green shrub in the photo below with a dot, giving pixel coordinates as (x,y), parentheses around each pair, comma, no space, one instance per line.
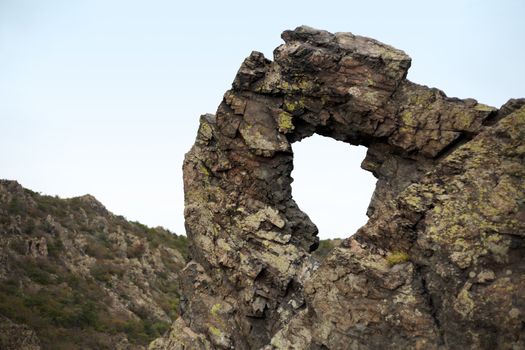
(19,246)
(46,226)
(52,205)
(155,329)
(325,247)
(88,315)
(16,207)
(98,249)
(29,226)
(144,331)
(62,308)
(136,250)
(160,237)
(55,247)
(103,271)
(135,331)
(36,273)
(73,281)
(12,306)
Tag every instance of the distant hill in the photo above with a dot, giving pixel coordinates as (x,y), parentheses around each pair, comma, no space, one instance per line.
(325,247)
(75,276)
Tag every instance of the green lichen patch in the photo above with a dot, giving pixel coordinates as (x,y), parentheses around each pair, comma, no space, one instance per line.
(205,131)
(294,106)
(215,331)
(484,108)
(203,170)
(216,308)
(397,257)
(285,122)
(464,304)
(302,84)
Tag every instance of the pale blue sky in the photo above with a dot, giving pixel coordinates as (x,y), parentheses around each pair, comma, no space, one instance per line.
(103,97)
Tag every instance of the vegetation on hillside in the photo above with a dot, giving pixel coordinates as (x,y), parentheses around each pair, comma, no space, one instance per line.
(325,246)
(79,276)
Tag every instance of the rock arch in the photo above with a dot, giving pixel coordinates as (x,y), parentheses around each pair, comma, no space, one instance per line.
(252,282)
(331,187)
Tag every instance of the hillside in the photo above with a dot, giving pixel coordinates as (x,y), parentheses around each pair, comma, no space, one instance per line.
(75,276)
(325,247)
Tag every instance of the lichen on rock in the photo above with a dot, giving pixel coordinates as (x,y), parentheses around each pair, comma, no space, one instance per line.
(439,263)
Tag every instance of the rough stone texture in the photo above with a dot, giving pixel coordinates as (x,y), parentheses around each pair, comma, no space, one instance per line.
(439,265)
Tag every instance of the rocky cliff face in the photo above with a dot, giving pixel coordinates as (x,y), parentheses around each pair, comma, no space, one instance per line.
(75,276)
(440,263)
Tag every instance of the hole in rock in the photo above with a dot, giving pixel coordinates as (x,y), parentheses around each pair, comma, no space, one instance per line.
(330,186)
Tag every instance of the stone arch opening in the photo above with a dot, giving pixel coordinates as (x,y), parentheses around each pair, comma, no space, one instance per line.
(249,240)
(330,186)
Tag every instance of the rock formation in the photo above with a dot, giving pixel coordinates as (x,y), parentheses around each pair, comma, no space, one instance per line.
(75,276)
(439,265)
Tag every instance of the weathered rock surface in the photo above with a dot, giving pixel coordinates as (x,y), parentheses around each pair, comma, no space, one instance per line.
(440,263)
(75,276)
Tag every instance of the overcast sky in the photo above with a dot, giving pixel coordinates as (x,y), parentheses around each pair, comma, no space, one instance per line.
(104,97)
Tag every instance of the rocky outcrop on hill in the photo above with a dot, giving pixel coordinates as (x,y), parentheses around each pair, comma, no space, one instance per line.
(440,263)
(75,276)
